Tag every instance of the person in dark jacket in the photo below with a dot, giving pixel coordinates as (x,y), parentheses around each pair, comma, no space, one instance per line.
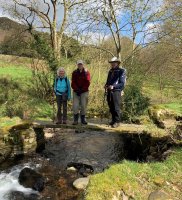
(80,85)
(114,85)
(62,90)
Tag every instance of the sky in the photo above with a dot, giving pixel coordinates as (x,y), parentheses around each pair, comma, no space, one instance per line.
(123,17)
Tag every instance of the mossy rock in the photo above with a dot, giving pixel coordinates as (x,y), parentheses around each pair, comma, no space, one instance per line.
(17,139)
(5,150)
(3,133)
(142,120)
(21,126)
(158,115)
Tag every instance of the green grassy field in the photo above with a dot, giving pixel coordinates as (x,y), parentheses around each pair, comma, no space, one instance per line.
(16,72)
(176,107)
(138,180)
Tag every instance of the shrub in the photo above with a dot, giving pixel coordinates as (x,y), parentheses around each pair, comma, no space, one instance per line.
(134,103)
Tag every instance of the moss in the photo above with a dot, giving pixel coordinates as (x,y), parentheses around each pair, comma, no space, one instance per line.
(21,126)
(158,114)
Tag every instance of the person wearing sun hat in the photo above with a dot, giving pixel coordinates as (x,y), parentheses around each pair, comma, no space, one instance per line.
(114,86)
(80,85)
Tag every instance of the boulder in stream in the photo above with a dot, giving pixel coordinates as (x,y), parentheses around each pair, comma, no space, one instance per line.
(81,183)
(31,179)
(83,169)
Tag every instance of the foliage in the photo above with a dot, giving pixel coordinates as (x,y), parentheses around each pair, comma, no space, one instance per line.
(16,45)
(134,102)
(41,81)
(10,92)
(70,47)
(44,51)
(17,100)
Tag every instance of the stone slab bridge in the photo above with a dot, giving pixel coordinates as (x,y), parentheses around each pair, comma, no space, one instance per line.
(26,137)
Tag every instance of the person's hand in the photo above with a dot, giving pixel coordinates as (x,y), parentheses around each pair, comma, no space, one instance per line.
(110,87)
(78,92)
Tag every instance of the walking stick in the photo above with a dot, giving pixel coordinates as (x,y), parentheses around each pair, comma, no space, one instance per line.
(105,94)
(53,102)
(104,99)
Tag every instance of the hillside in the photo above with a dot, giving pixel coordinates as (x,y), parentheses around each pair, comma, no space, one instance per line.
(9,27)
(8,24)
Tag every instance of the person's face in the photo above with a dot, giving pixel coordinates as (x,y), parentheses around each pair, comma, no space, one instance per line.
(114,64)
(61,73)
(80,66)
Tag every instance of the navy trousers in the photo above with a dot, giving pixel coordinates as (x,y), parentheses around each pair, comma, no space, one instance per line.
(114,103)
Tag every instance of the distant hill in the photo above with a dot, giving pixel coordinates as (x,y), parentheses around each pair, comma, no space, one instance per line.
(13,38)
(9,27)
(8,24)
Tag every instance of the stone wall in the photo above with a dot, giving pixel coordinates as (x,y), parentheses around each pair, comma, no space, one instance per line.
(17,140)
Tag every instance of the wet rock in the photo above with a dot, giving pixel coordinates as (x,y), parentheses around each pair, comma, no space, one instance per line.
(71,169)
(158,195)
(21,196)
(178,132)
(83,169)
(166,154)
(31,179)
(79,131)
(81,183)
(5,150)
(179,118)
(150,158)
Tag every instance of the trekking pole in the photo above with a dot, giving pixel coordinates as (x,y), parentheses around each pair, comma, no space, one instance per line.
(105,94)
(53,108)
(53,102)
(104,99)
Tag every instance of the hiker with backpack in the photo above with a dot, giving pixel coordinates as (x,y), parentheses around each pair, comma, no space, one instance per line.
(80,85)
(114,86)
(62,90)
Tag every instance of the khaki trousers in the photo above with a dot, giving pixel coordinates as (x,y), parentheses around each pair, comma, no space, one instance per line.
(80,103)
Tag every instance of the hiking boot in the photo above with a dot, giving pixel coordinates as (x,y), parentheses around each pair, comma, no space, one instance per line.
(64,122)
(83,121)
(115,125)
(76,119)
(111,123)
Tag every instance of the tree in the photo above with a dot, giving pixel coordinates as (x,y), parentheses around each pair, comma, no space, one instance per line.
(46,15)
(135,19)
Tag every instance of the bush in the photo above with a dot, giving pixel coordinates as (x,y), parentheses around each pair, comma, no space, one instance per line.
(134,103)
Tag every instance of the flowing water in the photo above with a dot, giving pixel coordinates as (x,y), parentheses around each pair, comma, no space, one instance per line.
(9,182)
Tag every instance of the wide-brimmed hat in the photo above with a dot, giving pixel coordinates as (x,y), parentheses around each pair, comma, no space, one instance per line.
(114,59)
(80,62)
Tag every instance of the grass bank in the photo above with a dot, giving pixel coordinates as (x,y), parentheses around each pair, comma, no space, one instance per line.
(138,180)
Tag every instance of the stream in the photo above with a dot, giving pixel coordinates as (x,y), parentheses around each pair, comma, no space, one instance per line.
(94,148)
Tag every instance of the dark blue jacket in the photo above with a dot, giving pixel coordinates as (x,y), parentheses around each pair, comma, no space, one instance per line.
(117,78)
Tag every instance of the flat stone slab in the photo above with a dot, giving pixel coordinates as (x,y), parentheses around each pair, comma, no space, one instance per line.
(96,126)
